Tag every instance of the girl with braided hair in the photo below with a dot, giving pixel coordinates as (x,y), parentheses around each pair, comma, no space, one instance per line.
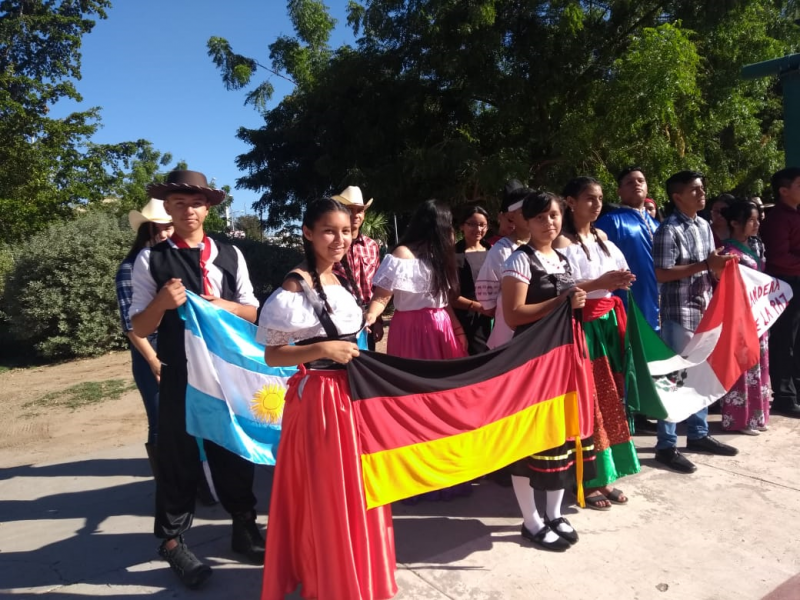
(321,534)
(600,268)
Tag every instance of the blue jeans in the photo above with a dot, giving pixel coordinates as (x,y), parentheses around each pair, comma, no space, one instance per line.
(148,388)
(677,337)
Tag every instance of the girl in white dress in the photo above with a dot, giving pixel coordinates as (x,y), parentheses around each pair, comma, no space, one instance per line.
(600,268)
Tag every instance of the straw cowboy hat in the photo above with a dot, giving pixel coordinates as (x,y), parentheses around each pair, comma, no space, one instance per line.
(192,182)
(351,196)
(153,212)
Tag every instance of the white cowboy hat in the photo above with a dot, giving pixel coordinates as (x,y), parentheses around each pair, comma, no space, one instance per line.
(153,212)
(351,196)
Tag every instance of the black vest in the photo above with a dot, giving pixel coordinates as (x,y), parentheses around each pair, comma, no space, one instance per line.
(544,286)
(167,262)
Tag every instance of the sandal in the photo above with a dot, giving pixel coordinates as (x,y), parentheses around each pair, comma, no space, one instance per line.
(615,497)
(593,501)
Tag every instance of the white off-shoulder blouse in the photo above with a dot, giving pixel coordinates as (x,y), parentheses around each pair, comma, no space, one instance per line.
(588,268)
(288,317)
(409,280)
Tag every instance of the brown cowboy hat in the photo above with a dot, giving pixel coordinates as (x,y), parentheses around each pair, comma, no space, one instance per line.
(192,182)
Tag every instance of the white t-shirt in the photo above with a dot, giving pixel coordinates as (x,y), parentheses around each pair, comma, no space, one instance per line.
(487,289)
(409,280)
(588,268)
(145,289)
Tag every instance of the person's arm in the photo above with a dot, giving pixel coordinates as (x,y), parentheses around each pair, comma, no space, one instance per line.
(777,237)
(516,312)
(245,311)
(458,329)
(289,356)
(246,304)
(147,351)
(378,304)
(169,297)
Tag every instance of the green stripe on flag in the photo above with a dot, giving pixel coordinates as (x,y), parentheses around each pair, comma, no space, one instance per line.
(642,344)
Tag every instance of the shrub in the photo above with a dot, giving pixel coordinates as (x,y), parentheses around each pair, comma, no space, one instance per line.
(266,263)
(60,294)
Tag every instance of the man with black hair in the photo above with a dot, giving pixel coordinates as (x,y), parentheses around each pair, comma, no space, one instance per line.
(161,276)
(781,234)
(687,266)
(631,228)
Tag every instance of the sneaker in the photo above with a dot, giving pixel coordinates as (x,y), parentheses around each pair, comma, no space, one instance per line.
(676,461)
(185,564)
(247,539)
(712,446)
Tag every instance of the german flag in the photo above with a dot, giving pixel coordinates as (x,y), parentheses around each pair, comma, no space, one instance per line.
(425,425)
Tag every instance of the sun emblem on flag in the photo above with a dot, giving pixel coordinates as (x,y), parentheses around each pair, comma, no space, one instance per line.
(267,404)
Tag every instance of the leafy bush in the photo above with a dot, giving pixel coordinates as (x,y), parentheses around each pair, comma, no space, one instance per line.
(267,264)
(60,294)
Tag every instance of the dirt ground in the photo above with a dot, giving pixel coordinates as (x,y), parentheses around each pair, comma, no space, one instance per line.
(30,435)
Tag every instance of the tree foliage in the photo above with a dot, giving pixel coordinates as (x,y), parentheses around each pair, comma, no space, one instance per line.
(49,166)
(449,99)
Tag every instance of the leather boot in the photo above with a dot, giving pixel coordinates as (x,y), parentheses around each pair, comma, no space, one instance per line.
(247,539)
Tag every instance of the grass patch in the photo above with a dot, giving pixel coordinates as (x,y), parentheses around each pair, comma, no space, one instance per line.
(82,394)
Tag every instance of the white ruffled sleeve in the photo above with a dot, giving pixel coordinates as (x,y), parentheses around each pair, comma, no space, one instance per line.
(518,266)
(403,275)
(285,314)
(617,256)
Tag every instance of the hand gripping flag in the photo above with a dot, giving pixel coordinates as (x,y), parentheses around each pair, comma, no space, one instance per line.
(424,425)
(665,385)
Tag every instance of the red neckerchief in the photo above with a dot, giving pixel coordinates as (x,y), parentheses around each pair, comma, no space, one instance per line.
(204,256)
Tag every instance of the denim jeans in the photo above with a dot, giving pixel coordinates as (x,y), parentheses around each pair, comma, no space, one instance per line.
(677,337)
(148,388)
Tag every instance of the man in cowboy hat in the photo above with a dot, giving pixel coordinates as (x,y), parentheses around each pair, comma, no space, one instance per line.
(161,276)
(364,255)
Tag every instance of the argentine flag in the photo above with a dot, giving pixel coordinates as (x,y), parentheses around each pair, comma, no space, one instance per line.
(232,398)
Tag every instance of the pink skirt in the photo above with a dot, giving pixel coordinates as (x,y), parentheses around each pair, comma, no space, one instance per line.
(426,334)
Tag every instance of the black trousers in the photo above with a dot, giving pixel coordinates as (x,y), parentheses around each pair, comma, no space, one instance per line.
(179,464)
(784,351)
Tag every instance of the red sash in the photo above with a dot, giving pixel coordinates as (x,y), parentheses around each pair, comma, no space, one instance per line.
(205,254)
(596,308)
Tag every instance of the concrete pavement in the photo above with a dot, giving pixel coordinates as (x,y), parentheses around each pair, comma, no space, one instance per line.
(82,528)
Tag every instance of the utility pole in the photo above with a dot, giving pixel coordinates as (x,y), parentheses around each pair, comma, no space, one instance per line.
(787,68)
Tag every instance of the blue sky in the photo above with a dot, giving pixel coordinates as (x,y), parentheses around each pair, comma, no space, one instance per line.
(146,66)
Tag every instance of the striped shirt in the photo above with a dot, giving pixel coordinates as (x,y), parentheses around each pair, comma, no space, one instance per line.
(681,240)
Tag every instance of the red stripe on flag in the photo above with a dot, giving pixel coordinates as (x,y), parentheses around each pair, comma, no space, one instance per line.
(387,423)
(737,349)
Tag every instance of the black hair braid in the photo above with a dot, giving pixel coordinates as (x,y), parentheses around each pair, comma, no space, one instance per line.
(599,240)
(311,260)
(568,225)
(351,281)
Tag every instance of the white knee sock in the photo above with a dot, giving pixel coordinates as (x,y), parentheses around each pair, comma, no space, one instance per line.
(527,506)
(554,499)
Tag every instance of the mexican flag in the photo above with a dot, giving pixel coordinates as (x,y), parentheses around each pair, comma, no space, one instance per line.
(664,385)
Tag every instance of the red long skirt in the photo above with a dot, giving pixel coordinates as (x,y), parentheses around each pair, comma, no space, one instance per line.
(320,533)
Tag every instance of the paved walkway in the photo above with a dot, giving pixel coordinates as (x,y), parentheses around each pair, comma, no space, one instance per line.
(81,528)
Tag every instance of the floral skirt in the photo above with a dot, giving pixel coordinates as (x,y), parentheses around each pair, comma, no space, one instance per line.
(746,405)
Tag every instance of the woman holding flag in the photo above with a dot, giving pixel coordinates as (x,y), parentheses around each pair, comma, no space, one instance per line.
(745,407)
(536,280)
(321,534)
(600,268)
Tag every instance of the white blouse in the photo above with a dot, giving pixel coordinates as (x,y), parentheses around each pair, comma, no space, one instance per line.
(409,280)
(588,268)
(288,317)
(487,289)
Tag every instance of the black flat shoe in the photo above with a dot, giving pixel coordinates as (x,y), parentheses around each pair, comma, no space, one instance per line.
(559,545)
(712,446)
(570,536)
(185,564)
(676,461)
(247,540)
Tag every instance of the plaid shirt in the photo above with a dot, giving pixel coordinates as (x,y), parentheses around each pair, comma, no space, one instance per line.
(683,241)
(365,258)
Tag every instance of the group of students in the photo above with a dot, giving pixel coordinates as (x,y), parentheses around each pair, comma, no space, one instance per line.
(450,299)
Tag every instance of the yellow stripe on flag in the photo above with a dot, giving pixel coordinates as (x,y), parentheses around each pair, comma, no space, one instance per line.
(400,473)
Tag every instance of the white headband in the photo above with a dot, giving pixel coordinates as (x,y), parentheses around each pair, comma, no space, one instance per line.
(516,205)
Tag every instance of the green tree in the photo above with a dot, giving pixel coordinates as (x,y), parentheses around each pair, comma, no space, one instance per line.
(251,226)
(448,99)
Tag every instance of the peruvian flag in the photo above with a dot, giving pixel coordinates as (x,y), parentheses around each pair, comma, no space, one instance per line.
(723,348)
